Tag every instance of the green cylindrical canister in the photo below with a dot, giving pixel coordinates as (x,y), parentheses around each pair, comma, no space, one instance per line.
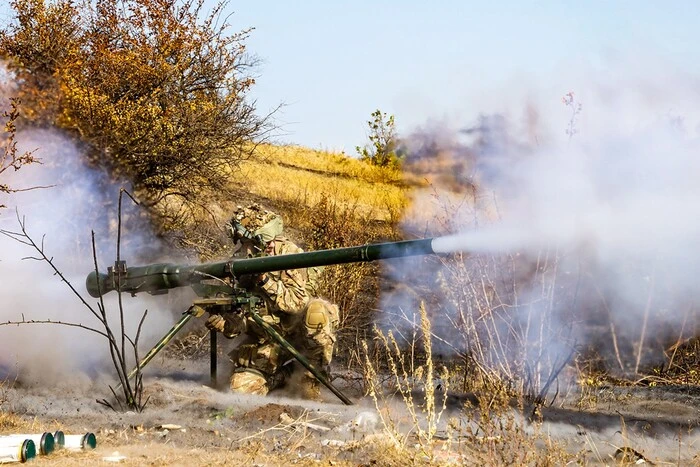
(43,441)
(84,441)
(59,438)
(16,450)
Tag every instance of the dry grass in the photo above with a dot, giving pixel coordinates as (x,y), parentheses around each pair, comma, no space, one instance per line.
(328,163)
(10,421)
(486,433)
(292,175)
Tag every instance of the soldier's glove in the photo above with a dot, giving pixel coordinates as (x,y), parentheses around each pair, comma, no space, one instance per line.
(216,323)
(231,326)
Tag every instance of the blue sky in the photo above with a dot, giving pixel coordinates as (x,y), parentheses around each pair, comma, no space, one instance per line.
(333,63)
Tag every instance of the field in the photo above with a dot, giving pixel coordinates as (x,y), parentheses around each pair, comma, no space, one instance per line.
(412,405)
(188,423)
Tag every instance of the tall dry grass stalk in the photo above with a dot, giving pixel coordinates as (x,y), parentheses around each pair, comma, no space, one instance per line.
(487,432)
(409,381)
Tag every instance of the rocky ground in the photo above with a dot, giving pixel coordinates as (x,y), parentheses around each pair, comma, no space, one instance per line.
(186,422)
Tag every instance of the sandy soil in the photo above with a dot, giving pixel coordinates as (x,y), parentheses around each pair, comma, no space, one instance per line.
(186,422)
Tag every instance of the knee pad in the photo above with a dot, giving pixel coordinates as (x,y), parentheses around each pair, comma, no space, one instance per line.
(316,316)
(320,322)
(321,315)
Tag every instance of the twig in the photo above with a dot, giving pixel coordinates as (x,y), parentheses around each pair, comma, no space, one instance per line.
(119,295)
(48,321)
(113,351)
(30,242)
(284,417)
(133,395)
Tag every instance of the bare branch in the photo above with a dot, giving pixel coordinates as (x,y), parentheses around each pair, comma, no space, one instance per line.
(49,321)
(132,394)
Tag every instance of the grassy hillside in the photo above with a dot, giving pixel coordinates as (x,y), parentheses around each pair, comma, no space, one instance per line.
(300,177)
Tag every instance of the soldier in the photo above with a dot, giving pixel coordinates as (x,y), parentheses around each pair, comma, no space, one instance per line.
(307,323)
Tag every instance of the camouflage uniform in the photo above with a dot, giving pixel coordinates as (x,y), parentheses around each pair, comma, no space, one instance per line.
(308,323)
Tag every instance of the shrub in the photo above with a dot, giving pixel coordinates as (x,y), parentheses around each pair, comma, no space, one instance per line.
(157,93)
(383,148)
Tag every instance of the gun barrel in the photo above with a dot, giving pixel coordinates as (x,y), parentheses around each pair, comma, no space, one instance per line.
(356,254)
(159,277)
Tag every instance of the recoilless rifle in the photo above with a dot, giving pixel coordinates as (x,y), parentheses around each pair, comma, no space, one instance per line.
(220,286)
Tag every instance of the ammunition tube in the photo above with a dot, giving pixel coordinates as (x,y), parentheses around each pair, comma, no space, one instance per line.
(77,442)
(16,450)
(43,441)
(59,438)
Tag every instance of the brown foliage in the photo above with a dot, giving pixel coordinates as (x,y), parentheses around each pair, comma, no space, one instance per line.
(9,157)
(44,38)
(156,92)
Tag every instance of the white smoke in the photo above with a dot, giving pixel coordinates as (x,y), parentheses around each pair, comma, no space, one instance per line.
(615,197)
(624,185)
(60,217)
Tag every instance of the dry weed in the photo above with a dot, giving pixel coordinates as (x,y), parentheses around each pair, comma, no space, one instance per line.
(488,432)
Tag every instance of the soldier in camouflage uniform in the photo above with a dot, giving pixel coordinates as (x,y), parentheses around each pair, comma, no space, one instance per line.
(307,323)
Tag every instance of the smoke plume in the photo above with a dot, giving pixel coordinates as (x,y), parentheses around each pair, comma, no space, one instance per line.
(574,206)
(66,200)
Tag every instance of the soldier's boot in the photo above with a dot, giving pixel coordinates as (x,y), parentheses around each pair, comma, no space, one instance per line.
(249,381)
(310,387)
(279,377)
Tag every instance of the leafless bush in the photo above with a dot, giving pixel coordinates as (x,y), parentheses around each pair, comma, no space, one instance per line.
(10,158)
(131,393)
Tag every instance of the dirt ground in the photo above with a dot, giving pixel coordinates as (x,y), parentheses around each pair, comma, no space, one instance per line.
(187,423)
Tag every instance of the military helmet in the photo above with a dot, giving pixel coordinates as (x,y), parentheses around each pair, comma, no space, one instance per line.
(261,223)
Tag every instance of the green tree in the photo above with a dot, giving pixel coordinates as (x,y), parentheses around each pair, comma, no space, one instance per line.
(156,91)
(383,147)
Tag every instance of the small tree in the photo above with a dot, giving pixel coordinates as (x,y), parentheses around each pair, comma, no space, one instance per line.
(156,89)
(383,148)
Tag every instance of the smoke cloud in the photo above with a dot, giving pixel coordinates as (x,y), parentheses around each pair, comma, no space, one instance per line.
(591,201)
(75,200)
